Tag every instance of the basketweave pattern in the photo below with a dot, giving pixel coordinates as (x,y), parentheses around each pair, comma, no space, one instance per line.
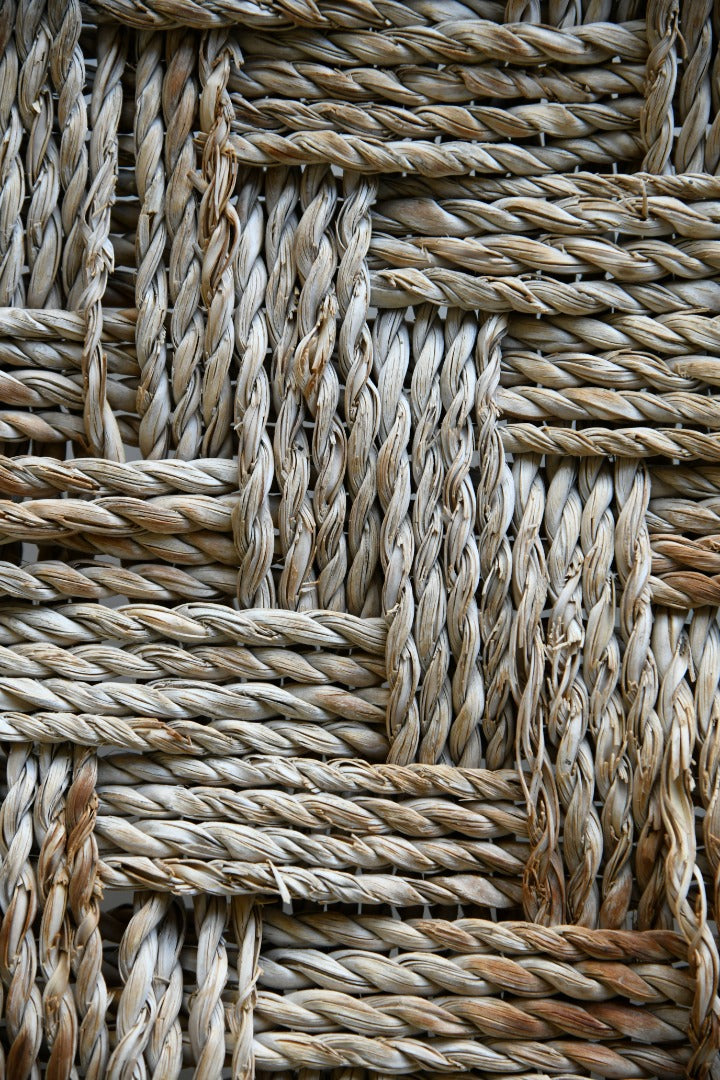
(360,523)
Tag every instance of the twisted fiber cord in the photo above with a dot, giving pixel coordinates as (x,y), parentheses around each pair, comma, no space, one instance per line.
(225,878)
(705,651)
(84,891)
(362,405)
(354,971)
(518,11)
(470,122)
(242,701)
(180,103)
(400,1015)
(460,40)
(31,475)
(38,390)
(252,522)
(628,442)
(620,370)
(689,187)
(345,738)
(572,950)
(391,347)
(615,405)
(23,1009)
(218,231)
(566,13)
(101,426)
(643,261)
(67,66)
(97,580)
(206,1022)
(612,405)
(247,929)
(543,882)
(677,715)
(296,589)
(314,375)
(461,558)
(432,159)
(400,287)
(657,120)
(151,291)
(137,1004)
(164,1050)
(352,13)
(12,175)
(639,676)
(94,663)
(358,816)
(607,719)
(197,623)
(42,226)
(306,775)
(431,636)
(458,1056)
(574,210)
(116,515)
(201,548)
(712,147)
(674,334)
(568,709)
(694,101)
(60,1013)
(311,80)
(495,502)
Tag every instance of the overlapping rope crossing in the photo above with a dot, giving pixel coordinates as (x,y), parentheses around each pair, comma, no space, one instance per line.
(359,533)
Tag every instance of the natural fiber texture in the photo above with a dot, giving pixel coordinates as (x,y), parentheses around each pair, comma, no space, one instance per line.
(360,526)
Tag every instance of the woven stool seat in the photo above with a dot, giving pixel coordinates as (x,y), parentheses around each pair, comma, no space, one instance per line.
(359,539)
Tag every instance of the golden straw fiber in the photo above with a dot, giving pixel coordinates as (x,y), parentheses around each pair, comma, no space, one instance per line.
(359,539)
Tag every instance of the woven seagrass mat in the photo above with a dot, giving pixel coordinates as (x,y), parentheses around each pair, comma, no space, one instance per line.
(360,539)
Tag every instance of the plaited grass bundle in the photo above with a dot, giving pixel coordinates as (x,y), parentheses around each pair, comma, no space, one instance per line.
(360,539)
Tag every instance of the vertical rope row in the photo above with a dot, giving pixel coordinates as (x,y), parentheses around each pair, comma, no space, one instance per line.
(137,1006)
(292,457)
(543,883)
(67,66)
(695,97)
(101,427)
(84,892)
(433,646)
(496,500)
(207,1014)
(568,705)
(704,636)
(677,715)
(247,927)
(151,294)
(180,104)
(639,673)
(253,529)
(462,560)
(354,230)
(43,231)
(391,347)
(18,900)
(61,1025)
(657,129)
(12,176)
(601,671)
(218,237)
(316,377)
(164,1050)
